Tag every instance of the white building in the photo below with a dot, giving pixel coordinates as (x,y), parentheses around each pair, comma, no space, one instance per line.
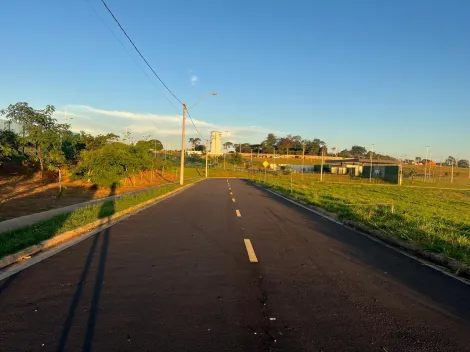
(216,143)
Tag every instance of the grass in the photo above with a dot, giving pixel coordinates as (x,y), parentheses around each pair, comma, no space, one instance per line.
(16,240)
(436,219)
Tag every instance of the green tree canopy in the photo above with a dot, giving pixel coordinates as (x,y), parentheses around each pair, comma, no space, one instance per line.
(358,151)
(108,165)
(40,127)
(9,143)
(463,163)
(270,141)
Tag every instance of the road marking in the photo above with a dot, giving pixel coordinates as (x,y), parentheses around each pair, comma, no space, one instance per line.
(233,200)
(231,193)
(251,251)
(238,213)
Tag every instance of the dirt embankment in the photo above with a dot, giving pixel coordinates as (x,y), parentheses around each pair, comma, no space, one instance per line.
(24,192)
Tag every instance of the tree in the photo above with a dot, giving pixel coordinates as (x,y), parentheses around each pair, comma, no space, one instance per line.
(451,160)
(270,141)
(94,143)
(201,148)
(463,163)
(345,153)
(195,142)
(418,159)
(149,146)
(228,145)
(234,158)
(358,151)
(110,164)
(286,143)
(39,126)
(314,146)
(9,143)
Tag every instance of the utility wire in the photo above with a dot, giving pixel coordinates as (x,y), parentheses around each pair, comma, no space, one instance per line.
(194,125)
(130,55)
(142,56)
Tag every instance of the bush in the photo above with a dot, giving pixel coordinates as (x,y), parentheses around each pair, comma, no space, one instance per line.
(112,163)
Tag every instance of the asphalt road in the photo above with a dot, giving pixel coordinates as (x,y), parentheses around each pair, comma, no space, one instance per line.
(178,277)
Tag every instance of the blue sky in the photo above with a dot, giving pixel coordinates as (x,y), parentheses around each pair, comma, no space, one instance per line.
(392,73)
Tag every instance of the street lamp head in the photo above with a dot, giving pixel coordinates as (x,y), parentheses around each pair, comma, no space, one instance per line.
(214,93)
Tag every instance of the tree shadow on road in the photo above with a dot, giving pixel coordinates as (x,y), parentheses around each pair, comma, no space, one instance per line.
(106,212)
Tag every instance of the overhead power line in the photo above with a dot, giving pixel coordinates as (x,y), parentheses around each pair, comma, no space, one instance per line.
(194,125)
(138,51)
(130,55)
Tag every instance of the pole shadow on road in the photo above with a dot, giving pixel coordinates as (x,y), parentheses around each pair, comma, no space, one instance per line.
(385,261)
(106,211)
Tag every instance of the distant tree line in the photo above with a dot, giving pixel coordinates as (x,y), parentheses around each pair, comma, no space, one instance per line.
(296,145)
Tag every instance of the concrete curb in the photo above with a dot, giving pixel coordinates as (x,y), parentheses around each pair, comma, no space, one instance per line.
(96,225)
(451,265)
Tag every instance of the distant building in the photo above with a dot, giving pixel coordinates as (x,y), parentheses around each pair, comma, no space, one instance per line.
(193,152)
(6,125)
(216,143)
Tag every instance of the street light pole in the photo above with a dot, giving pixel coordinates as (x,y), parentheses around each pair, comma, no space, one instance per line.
(400,173)
(182,144)
(226,149)
(452,172)
(185,110)
(426,164)
(430,167)
(207,156)
(371,153)
(303,158)
(321,169)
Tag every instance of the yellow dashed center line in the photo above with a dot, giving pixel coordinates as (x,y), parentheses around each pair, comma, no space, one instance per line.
(231,193)
(233,200)
(238,213)
(251,251)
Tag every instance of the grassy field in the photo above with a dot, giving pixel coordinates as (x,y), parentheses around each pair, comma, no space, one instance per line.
(14,241)
(437,219)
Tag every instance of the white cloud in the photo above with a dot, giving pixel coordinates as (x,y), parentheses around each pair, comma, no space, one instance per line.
(167,128)
(193,80)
